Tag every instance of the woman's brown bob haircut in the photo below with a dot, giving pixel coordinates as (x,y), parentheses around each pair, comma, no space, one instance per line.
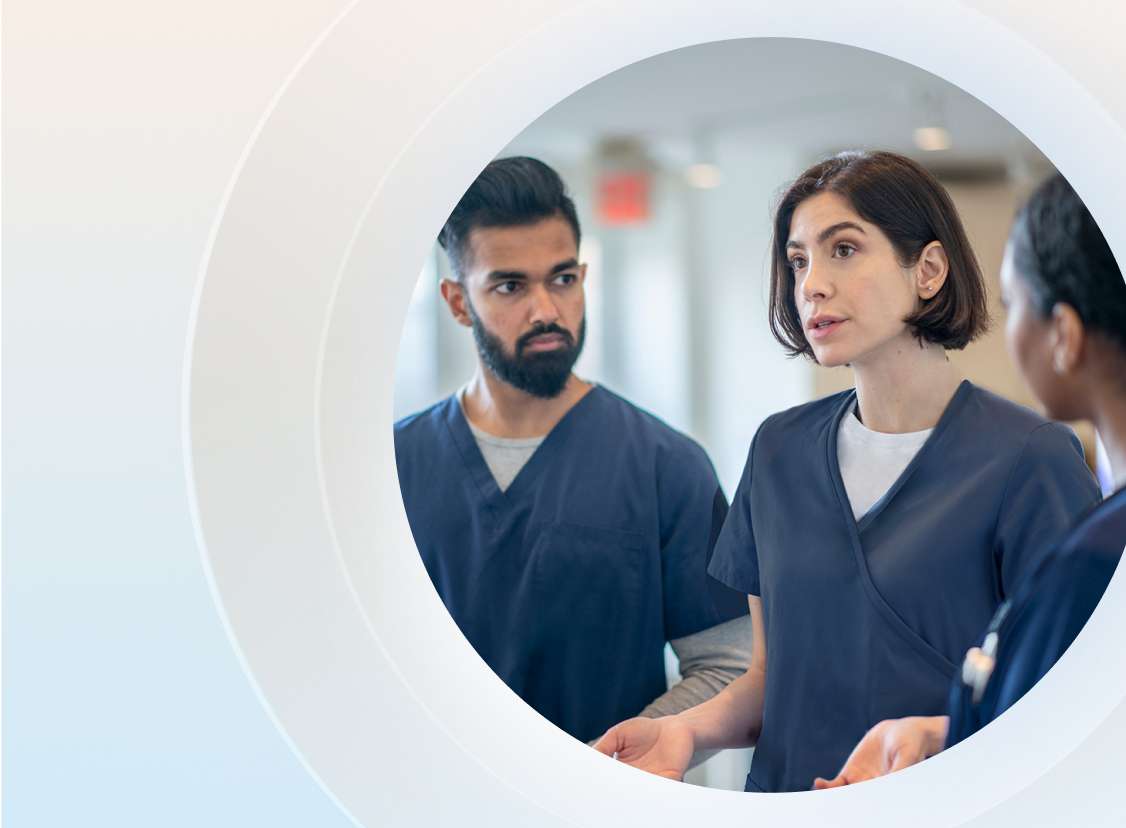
(912,209)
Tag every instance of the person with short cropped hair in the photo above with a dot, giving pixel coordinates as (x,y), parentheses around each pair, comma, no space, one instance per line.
(566,530)
(876,530)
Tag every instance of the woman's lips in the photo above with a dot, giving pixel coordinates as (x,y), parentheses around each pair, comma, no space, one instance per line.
(825,329)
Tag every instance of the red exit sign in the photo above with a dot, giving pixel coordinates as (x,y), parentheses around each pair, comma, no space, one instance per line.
(623,197)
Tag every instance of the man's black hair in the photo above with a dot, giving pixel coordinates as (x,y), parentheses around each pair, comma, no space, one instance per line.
(1061,253)
(509,192)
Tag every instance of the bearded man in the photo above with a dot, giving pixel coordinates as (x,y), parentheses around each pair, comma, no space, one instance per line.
(567,531)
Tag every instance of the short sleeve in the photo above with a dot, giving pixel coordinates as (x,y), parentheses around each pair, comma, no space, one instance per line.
(1049,488)
(693,508)
(735,559)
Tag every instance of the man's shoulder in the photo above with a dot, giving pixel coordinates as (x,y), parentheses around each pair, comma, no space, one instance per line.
(426,419)
(422,425)
(642,424)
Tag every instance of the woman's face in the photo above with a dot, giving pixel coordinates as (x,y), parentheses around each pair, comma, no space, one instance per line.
(1028,336)
(851,292)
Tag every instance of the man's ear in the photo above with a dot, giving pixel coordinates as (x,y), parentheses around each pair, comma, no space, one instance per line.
(454,294)
(1068,338)
(931,270)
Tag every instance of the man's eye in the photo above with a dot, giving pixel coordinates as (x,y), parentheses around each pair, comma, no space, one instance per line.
(565,279)
(506,288)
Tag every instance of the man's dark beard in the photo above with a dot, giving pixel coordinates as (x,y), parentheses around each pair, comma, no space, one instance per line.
(541,374)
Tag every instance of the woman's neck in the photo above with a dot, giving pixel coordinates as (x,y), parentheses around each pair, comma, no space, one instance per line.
(1109,417)
(906,387)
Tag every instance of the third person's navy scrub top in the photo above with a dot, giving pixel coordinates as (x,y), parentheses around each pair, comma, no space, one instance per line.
(869,620)
(1038,625)
(570,581)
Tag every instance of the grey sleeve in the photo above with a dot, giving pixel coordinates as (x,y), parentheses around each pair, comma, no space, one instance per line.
(709,661)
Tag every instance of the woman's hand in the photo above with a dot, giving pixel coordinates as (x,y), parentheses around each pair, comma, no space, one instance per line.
(661,746)
(891,745)
(731,718)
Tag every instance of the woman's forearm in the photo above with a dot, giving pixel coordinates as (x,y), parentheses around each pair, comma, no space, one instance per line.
(733,717)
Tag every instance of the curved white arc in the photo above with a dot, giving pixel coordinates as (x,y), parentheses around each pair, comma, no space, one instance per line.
(627,35)
(186,400)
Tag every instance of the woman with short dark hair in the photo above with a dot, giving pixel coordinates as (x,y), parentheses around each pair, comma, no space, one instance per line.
(1066,331)
(875,531)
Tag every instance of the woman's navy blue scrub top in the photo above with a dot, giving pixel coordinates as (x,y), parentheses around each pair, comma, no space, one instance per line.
(869,620)
(569,583)
(1040,622)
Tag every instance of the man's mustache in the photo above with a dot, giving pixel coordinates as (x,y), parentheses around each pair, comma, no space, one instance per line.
(540,330)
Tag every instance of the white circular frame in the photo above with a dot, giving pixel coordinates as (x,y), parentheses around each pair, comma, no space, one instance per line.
(287,419)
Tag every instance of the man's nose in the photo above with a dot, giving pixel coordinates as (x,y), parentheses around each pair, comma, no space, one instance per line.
(543,309)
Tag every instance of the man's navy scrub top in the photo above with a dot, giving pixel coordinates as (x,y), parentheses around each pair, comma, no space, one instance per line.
(569,583)
(870,620)
(1039,624)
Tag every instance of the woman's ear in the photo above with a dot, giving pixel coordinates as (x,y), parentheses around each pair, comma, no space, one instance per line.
(931,270)
(1068,339)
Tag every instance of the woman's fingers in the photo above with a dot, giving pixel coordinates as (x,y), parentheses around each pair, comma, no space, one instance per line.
(628,741)
(905,759)
(608,743)
(820,784)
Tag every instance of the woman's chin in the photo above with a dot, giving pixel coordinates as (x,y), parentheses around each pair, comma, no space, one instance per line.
(832,357)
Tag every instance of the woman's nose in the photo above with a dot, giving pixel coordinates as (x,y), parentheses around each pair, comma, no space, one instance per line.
(814,286)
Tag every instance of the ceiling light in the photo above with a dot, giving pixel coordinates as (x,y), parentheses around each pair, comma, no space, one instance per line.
(702,176)
(931,139)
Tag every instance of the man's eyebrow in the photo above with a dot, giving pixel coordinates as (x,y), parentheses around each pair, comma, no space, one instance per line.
(519,275)
(829,231)
(506,275)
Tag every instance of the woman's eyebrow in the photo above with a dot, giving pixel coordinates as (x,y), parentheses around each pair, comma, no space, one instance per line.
(835,228)
(827,232)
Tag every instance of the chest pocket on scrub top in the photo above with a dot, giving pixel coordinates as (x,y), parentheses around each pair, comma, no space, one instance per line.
(587,578)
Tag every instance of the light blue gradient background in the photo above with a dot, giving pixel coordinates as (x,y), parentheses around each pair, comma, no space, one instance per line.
(124,701)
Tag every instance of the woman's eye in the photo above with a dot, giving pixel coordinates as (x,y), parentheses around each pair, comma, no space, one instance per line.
(797,263)
(844,250)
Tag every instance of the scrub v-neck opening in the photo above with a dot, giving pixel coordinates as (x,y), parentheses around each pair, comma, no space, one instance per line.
(479,470)
(858,526)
